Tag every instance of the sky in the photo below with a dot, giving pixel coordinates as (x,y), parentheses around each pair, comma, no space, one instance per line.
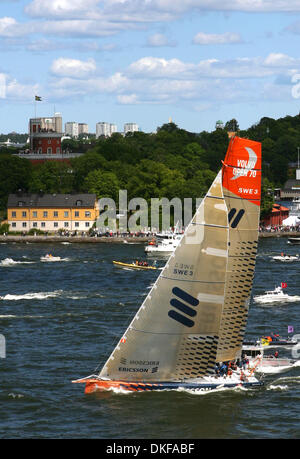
(193,62)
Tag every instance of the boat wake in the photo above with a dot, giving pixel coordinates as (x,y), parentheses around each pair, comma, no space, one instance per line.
(31,296)
(265,299)
(55,294)
(284,383)
(10,262)
(273,370)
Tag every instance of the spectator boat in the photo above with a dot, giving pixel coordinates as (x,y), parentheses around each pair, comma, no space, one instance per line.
(134,265)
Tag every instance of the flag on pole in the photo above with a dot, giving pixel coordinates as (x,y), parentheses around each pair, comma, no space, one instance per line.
(283,285)
(38,98)
(290,329)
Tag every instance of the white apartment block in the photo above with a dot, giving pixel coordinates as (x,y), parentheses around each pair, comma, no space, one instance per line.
(106,129)
(83,128)
(130,127)
(71,129)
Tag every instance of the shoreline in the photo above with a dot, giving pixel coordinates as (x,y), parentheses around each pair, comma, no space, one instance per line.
(74,239)
(115,239)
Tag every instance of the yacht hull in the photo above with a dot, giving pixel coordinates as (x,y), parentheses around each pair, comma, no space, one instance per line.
(94,385)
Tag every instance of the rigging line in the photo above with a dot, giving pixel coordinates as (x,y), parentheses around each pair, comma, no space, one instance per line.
(210,224)
(239,197)
(166,333)
(189,280)
(244,168)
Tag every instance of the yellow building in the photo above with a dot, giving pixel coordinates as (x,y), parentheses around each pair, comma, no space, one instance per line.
(52,212)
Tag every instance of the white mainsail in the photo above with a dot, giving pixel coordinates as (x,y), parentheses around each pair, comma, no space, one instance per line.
(195,314)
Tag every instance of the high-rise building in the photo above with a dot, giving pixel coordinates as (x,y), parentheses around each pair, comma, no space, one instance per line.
(106,129)
(71,129)
(130,127)
(83,128)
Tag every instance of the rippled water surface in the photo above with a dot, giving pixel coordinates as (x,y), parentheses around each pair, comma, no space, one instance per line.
(62,319)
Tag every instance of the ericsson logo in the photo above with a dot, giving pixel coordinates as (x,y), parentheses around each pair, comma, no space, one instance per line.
(235,221)
(183,307)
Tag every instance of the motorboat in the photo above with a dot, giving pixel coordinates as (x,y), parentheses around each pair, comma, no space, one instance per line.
(276,295)
(272,341)
(294,240)
(134,265)
(165,243)
(260,362)
(285,257)
(49,257)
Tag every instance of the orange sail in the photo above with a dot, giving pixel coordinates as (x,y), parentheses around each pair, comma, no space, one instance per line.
(242,169)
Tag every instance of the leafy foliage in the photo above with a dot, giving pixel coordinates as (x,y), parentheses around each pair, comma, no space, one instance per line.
(171,163)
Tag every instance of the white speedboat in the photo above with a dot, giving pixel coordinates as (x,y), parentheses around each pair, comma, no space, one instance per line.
(293,240)
(165,243)
(49,257)
(261,363)
(274,296)
(284,257)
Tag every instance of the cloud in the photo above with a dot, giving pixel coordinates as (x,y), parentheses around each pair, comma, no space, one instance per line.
(153,80)
(216,39)
(73,67)
(159,39)
(8,27)
(13,90)
(69,9)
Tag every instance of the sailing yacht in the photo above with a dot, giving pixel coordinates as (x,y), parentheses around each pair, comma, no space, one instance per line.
(195,315)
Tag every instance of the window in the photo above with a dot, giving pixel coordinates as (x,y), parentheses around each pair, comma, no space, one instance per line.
(87,213)
(45,213)
(58,150)
(49,151)
(66,224)
(43,224)
(66,213)
(55,213)
(13,214)
(79,202)
(87,224)
(24,224)
(55,224)
(14,224)
(20,203)
(24,213)
(76,213)
(34,224)
(76,224)
(34,213)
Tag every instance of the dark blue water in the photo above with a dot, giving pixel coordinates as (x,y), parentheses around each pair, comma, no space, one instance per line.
(61,320)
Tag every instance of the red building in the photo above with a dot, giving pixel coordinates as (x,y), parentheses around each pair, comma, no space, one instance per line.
(277,215)
(44,138)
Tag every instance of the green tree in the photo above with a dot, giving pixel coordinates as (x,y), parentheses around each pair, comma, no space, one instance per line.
(267,198)
(15,174)
(103,184)
(232,125)
(52,177)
